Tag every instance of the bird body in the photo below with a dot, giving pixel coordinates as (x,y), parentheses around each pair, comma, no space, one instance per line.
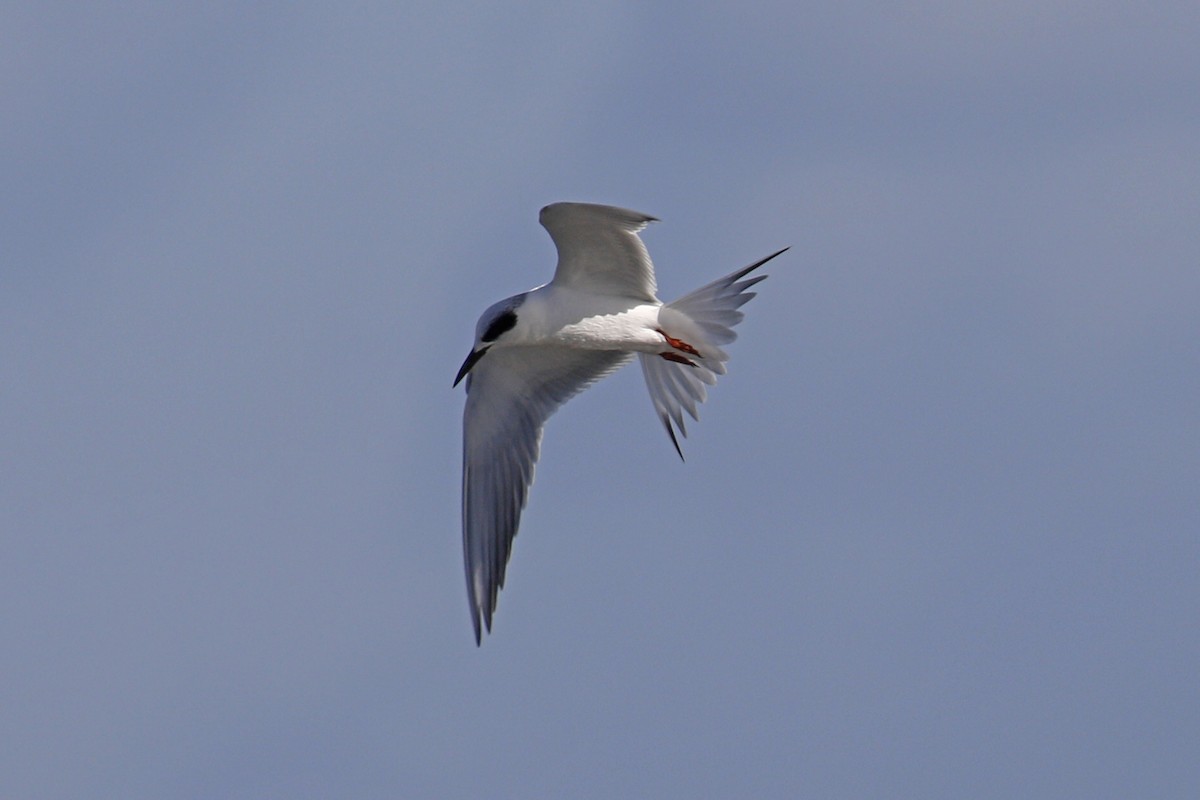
(535,350)
(555,316)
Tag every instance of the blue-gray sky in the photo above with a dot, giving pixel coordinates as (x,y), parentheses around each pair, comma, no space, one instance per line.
(938,532)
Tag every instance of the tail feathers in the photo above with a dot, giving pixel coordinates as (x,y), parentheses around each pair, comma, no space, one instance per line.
(705,319)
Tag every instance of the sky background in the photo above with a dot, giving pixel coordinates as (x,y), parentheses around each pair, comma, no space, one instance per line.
(938,533)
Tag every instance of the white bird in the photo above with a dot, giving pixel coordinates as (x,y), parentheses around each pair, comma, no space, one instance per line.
(538,349)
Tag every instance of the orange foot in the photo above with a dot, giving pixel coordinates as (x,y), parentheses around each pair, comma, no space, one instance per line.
(678,344)
(671,355)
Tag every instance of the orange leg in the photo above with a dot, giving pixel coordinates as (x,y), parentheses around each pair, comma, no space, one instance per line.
(678,344)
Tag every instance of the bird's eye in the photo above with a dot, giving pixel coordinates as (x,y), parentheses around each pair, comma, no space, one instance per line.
(499,325)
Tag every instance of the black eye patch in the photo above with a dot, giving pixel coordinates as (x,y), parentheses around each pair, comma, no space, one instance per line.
(499,325)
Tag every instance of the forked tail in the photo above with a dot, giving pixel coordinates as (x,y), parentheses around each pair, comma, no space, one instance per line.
(705,320)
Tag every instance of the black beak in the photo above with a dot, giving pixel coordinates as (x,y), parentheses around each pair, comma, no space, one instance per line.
(470,363)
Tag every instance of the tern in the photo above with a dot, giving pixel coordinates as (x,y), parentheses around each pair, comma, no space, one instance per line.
(538,349)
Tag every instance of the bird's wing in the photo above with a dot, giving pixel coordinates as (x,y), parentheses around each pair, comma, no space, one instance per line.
(510,394)
(599,249)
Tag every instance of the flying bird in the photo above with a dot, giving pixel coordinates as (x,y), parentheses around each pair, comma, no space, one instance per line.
(538,349)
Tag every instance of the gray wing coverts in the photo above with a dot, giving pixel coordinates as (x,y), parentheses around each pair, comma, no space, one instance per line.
(599,249)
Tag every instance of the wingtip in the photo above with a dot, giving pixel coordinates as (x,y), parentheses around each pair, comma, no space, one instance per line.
(475,624)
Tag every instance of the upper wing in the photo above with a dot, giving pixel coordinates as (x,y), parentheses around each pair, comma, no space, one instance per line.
(599,249)
(510,394)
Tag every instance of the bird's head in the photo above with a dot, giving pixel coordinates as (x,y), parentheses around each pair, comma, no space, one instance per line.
(498,320)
